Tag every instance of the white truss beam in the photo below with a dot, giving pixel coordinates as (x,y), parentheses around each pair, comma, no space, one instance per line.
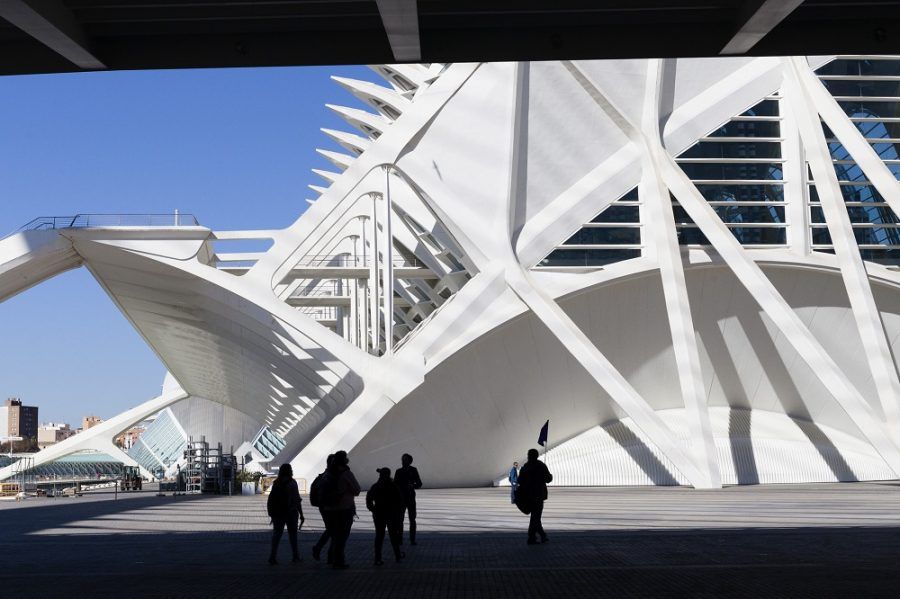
(775,306)
(853,270)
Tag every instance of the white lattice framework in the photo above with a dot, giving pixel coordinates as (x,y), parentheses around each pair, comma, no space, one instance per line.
(478,175)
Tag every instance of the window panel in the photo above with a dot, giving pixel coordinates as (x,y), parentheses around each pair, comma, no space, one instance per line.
(588,257)
(742,193)
(618,214)
(757,171)
(719,149)
(606,236)
(748,129)
(862,88)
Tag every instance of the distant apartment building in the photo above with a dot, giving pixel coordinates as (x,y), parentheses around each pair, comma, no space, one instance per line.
(17,420)
(127,439)
(53,432)
(90,422)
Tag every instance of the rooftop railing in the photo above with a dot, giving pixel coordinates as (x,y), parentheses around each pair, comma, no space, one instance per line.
(346,260)
(85,221)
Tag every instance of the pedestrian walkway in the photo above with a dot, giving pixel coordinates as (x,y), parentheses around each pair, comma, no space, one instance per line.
(798,541)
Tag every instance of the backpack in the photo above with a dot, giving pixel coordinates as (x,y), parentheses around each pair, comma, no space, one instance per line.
(324,490)
(279,503)
(315,491)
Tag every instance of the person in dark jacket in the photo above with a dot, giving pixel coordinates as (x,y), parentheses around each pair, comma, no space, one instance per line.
(407,480)
(325,536)
(532,489)
(386,504)
(285,508)
(339,507)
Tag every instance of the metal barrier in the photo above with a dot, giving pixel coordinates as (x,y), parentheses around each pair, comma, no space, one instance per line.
(86,221)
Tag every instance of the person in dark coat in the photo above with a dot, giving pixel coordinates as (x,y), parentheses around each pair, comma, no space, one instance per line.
(532,489)
(325,536)
(285,508)
(386,504)
(407,480)
(340,506)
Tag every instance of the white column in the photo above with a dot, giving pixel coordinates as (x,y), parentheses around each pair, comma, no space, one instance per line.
(363,291)
(373,278)
(388,270)
(353,288)
(660,228)
(795,189)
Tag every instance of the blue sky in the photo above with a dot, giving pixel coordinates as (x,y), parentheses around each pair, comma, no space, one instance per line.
(232,146)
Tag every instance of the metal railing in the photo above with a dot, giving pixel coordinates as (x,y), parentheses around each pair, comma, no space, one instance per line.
(85,221)
(346,260)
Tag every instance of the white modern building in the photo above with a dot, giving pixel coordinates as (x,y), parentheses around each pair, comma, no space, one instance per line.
(689,267)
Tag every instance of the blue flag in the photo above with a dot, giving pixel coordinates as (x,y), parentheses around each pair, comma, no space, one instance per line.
(542,437)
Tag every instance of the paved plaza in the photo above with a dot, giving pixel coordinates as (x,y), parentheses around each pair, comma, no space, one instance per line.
(838,540)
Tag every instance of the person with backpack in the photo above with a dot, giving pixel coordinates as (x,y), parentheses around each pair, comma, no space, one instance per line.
(385,502)
(315,496)
(407,480)
(285,508)
(531,494)
(339,488)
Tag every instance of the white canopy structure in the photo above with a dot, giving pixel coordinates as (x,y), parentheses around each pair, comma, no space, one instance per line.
(688,266)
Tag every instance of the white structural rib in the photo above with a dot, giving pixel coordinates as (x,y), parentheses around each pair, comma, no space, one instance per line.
(385,100)
(349,141)
(327,175)
(853,271)
(401,23)
(407,77)
(759,24)
(660,222)
(370,124)
(338,159)
(780,312)
(53,24)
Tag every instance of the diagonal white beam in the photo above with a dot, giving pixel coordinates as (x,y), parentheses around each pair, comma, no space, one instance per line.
(604,372)
(780,312)
(53,24)
(401,22)
(620,391)
(659,224)
(853,270)
(759,23)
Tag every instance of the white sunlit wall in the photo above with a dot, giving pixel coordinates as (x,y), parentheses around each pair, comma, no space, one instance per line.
(687,266)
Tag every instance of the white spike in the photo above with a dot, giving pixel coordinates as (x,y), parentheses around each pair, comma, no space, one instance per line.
(371,124)
(318,189)
(310,202)
(338,159)
(386,101)
(406,77)
(327,175)
(349,141)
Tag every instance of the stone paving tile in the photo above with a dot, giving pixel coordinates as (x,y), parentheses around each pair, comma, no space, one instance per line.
(787,541)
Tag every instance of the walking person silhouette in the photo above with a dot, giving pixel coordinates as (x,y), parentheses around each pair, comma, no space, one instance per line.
(285,508)
(407,480)
(338,506)
(314,496)
(385,502)
(532,492)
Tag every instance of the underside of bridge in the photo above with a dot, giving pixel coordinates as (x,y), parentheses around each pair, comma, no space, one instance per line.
(45,36)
